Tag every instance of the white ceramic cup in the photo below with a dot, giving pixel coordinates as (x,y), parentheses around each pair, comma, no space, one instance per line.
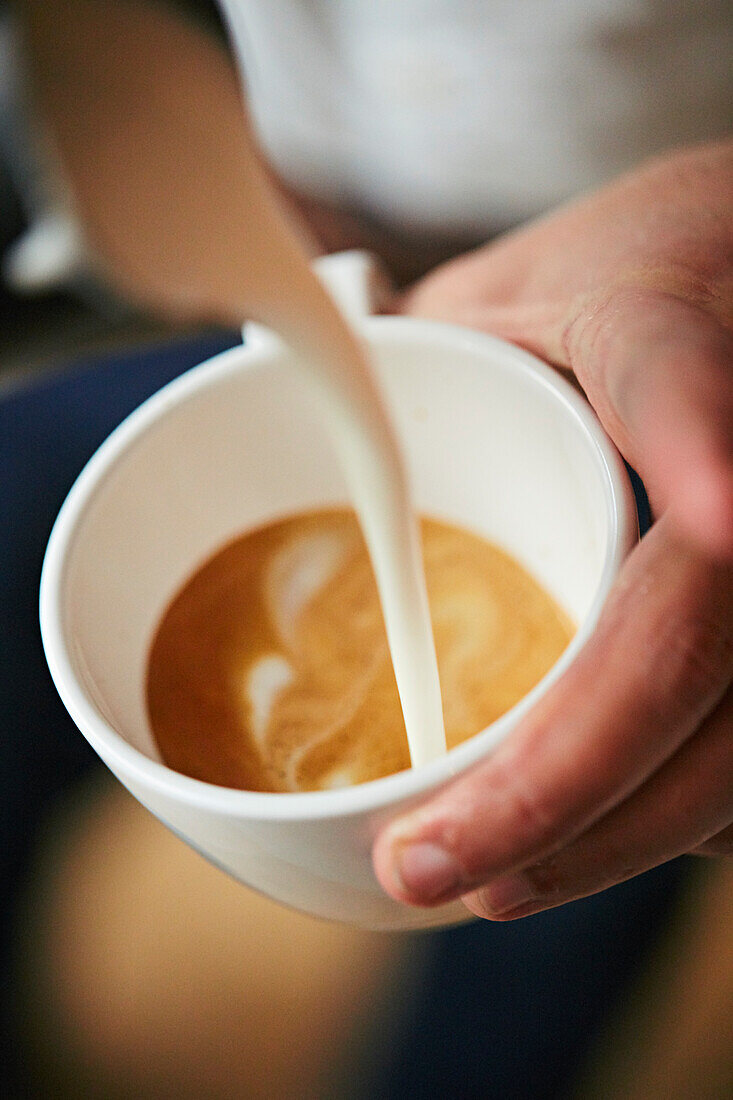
(494,440)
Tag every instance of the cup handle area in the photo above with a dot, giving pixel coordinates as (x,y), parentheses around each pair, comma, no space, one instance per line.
(357,282)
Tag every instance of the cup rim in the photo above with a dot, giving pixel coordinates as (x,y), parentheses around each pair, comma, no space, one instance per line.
(135,766)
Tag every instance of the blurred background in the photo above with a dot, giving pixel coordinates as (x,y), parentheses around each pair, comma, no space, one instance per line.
(131,968)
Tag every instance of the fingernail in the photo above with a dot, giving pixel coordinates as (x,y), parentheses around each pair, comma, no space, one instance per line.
(426,872)
(505,894)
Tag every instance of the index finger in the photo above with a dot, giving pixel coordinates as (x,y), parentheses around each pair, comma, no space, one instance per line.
(659,661)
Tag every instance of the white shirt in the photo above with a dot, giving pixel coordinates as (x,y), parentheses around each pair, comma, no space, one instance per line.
(459,114)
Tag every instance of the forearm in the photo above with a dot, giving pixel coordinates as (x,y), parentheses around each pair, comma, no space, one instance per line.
(146,117)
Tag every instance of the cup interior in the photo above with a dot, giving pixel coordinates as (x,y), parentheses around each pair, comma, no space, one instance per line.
(492,442)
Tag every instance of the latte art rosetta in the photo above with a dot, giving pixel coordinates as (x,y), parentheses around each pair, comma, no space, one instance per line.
(271,671)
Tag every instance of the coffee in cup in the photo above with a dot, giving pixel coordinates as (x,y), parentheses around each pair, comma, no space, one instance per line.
(270,669)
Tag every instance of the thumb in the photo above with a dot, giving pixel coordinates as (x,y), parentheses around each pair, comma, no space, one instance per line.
(658,370)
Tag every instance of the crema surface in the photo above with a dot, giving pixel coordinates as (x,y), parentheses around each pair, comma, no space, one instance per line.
(270,669)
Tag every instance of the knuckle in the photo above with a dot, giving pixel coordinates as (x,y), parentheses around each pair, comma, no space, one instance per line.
(699,655)
(722,491)
(714,493)
(548,880)
(531,812)
(719,845)
(503,817)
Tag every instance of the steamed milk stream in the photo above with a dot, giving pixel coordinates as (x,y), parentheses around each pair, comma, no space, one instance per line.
(275,286)
(278,288)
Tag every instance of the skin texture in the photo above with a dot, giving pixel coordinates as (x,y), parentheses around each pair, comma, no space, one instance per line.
(151,138)
(628,761)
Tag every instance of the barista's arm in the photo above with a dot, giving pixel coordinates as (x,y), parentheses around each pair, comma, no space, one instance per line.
(146,118)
